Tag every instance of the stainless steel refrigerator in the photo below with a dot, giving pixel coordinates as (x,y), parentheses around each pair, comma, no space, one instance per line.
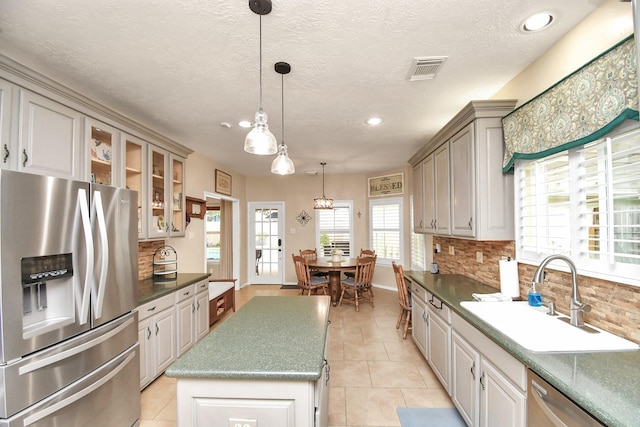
(68,288)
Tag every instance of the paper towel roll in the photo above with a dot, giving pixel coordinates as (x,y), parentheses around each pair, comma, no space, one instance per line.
(509,282)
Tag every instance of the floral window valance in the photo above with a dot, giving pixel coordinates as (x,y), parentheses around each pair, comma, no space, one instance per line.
(583,107)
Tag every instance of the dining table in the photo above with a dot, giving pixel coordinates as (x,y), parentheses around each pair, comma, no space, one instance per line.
(335,269)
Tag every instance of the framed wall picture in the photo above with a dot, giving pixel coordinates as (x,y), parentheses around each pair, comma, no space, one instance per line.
(223,183)
(388,185)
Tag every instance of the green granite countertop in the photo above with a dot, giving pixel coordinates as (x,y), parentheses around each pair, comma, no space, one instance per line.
(149,289)
(270,337)
(606,384)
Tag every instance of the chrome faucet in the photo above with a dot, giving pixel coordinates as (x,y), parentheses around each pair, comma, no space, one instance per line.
(577,307)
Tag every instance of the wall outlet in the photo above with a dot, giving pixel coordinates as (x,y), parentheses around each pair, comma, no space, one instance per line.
(479,257)
(438,249)
(242,422)
(451,250)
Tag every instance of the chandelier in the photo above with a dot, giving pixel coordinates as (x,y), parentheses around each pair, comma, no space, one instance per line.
(323,202)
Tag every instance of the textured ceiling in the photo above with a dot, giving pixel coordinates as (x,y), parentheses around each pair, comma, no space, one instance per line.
(182,67)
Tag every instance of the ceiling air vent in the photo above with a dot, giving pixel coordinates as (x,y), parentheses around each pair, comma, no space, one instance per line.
(426,68)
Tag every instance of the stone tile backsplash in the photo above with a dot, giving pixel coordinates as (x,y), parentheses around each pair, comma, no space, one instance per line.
(615,306)
(145,258)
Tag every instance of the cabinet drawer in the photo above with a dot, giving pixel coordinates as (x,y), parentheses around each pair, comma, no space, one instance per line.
(156,306)
(418,291)
(184,293)
(439,308)
(202,286)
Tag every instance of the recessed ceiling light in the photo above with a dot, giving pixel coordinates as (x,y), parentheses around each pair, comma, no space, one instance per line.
(244,124)
(374,121)
(225,125)
(537,22)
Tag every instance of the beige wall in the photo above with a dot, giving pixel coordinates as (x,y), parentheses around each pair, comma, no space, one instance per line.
(609,24)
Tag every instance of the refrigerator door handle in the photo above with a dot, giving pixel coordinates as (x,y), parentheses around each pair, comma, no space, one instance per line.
(102,228)
(73,351)
(77,396)
(88,240)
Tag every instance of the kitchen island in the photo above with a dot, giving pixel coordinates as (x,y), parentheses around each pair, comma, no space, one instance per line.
(266,365)
(603,383)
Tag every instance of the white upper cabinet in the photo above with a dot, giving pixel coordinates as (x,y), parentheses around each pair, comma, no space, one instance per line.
(133,175)
(462,183)
(176,188)
(471,196)
(158,226)
(418,205)
(442,223)
(102,145)
(8,150)
(49,137)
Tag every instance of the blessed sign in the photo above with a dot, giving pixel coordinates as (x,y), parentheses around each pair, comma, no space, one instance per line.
(386,185)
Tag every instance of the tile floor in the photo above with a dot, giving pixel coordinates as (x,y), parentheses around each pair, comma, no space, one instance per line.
(373,370)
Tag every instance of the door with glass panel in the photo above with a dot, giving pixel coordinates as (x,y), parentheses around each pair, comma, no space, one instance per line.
(266,244)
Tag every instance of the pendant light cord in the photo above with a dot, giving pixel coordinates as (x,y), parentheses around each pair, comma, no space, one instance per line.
(282,86)
(260,61)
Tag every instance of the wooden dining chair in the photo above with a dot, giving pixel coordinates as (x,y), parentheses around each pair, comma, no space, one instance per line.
(307,283)
(312,255)
(360,285)
(363,252)
(403,299)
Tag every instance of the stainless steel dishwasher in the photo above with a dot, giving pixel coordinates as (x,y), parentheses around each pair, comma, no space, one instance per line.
(547,407)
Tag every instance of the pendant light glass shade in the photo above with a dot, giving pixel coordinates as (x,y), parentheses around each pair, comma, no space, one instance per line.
(282,165)
(260,140)
(322,202)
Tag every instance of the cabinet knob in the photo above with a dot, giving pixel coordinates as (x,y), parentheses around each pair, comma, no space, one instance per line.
(6,153)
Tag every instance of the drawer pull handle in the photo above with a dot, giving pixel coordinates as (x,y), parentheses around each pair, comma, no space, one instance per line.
(26,158)
(6,153)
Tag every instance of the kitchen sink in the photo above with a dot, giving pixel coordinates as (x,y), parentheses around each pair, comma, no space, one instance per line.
(535,330)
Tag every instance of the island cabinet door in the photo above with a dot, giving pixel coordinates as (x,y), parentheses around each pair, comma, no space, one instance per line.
(206,402)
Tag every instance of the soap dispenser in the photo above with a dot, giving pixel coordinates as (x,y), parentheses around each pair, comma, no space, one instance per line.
(535,298)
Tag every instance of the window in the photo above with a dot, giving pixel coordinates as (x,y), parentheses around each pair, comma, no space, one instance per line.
(335,229)
(418,260)
(584,203)
(212,225)
(386,229)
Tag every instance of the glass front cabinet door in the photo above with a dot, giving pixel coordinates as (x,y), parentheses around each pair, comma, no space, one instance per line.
(135,156)
(178,218)
(103,147)
(158,188)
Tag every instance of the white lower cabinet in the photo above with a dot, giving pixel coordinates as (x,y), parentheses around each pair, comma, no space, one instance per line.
(156,334)
(202,310)
(419,328)
(169,326)
(484,394)
(439,340)
(185,315)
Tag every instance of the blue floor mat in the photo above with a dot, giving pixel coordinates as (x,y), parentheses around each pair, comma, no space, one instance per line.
(430,417)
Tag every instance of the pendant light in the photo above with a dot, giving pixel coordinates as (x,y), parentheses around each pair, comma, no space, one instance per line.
(260,140)
(323,203)
(282,165)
